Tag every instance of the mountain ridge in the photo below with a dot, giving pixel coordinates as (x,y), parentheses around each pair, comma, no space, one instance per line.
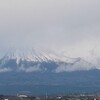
(36,61)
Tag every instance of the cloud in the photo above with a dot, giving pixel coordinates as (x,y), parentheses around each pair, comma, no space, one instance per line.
(78,65)
(53,24)
(2,70)
(29,69)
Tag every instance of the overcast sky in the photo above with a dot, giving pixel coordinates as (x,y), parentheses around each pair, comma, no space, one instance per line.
(68,25)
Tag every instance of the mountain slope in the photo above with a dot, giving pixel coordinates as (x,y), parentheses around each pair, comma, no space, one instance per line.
(41,72)
(42,61)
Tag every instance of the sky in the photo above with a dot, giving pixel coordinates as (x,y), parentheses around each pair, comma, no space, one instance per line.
(69,26)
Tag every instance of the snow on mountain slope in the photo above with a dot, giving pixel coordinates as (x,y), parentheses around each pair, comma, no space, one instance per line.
(36,55)
(41,61)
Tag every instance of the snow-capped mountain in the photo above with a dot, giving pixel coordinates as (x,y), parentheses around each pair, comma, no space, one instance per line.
(46,71)
(42,61)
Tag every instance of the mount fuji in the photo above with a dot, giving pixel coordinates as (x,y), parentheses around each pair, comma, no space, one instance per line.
(44,61)
(41,71)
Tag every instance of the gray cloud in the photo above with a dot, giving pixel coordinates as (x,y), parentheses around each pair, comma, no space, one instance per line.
(54,24)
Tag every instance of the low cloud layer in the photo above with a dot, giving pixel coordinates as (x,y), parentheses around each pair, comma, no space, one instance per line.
(36,68)
(2,70)
(76,66)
